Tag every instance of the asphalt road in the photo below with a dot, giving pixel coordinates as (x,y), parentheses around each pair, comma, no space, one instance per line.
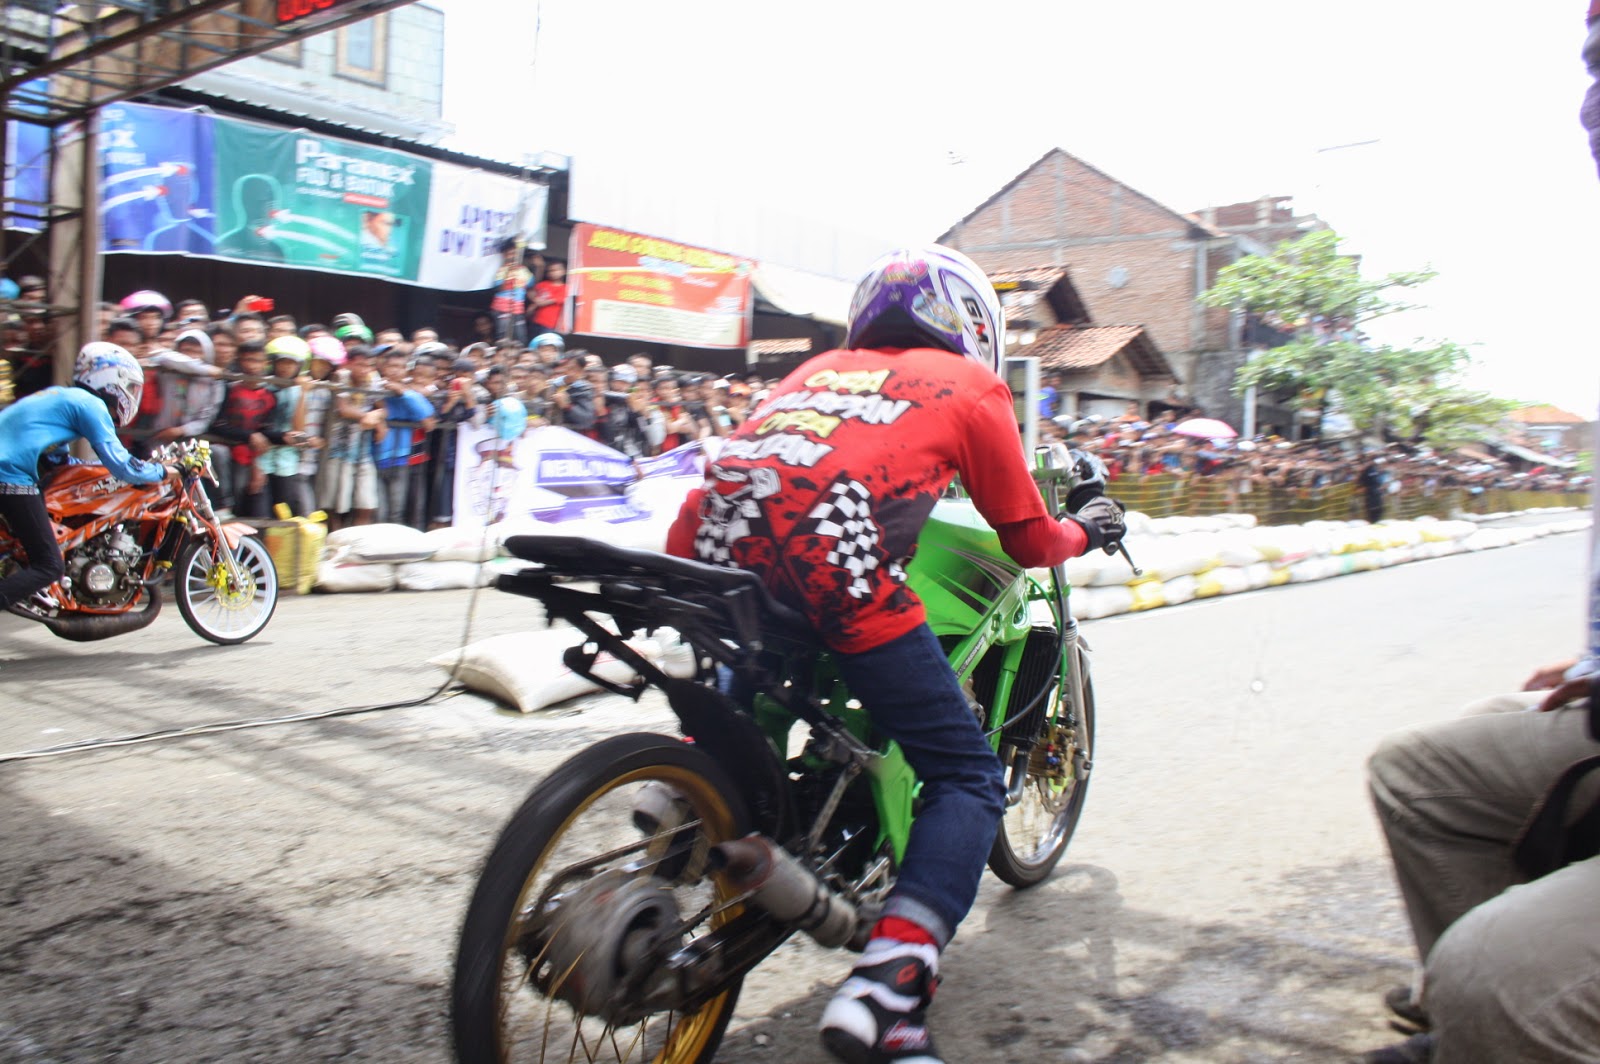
(292,893)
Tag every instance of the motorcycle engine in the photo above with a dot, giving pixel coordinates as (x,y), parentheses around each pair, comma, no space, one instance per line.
(104,572)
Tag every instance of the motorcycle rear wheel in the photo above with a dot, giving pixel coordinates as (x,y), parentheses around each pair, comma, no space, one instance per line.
(1034,833)
(212,605)
(546,914)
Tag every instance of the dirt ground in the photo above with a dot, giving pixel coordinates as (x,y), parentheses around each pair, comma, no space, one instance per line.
(293,892)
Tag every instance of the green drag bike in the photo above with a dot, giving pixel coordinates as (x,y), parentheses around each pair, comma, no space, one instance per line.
(617,915)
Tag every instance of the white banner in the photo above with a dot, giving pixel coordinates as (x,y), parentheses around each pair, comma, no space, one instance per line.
(469,213)
(554,475)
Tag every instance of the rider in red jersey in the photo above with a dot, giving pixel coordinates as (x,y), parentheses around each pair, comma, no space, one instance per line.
(822,491)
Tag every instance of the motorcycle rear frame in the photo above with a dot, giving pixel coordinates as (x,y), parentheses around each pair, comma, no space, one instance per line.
(976,600)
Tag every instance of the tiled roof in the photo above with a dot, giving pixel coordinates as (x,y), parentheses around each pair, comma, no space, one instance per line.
(1023,291)
(797,346)
(1089,346)
(1545,414)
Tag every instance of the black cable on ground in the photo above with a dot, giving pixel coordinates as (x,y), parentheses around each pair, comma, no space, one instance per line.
(217,727)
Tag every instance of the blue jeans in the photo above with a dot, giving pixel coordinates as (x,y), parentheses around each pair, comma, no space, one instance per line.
(914,698)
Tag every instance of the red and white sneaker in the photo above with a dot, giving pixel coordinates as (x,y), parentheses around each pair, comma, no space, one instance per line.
(880,1013)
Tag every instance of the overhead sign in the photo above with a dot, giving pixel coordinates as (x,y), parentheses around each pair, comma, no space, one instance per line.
(181,182)
(634,287)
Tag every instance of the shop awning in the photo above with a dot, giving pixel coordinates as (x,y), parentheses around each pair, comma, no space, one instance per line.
(804,295)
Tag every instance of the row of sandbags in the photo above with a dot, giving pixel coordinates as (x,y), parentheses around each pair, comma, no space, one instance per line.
(1181,566)
(398,557)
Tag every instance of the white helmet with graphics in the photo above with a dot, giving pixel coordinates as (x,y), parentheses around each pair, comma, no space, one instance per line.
(114,375)
(929,296)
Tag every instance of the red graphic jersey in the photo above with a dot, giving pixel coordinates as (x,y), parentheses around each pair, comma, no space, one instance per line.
(824,489)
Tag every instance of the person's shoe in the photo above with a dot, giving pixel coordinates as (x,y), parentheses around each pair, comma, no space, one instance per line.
(879,1015)
(1414,1016)
(1418,1049)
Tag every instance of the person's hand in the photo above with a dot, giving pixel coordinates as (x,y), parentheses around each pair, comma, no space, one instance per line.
(1549,676)
(259,443)
(1101,521)
(562,399)
(371,419)
(316,442)
(1564,692)
(304,380)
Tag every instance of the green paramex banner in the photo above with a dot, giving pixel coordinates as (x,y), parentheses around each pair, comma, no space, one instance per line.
(298,199)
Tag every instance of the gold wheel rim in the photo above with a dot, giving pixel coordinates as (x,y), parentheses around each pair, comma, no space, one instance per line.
(692,1035)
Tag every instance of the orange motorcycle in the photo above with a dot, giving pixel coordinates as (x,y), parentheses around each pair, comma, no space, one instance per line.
(120,542)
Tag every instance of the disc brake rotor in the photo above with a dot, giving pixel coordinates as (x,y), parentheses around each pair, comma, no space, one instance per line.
(597,947)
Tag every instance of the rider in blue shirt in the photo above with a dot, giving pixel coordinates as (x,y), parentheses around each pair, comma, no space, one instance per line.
(106,387)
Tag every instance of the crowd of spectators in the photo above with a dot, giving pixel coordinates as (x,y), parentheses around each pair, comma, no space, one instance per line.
(1133,446)
(359,423)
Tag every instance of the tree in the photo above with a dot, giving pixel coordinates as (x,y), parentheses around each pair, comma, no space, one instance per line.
(1309,289)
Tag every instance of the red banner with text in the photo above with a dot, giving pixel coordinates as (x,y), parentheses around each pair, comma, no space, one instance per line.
(634,287)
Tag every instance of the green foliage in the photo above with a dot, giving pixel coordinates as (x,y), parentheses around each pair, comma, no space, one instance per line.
(1306,279)
(1408,392)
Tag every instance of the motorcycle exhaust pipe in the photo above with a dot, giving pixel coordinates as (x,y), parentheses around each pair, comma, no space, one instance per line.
(785,888)
(87,628)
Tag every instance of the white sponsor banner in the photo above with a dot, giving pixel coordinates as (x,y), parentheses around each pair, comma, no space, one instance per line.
(469,213)
(555,475)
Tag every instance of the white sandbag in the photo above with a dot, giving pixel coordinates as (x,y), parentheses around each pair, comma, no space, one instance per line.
(525,670)
(1223,580)
(1258,575)
(1092,602)
(334,575)
(1312,569)
(1085,569)
(464,544)
(1234,549)
(441,576)
(1365,561)
(1137,522)
(380,544)
(1178,589)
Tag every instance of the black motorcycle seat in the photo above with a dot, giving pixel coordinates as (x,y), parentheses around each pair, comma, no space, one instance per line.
(594,559)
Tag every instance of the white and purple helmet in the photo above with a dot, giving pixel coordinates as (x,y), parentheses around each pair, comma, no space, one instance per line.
(931,296)
(114,375)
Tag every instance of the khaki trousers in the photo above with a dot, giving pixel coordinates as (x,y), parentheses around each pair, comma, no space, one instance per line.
(1512,969)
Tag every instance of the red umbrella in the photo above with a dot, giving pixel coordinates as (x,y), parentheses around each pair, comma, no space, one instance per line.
(1205,427)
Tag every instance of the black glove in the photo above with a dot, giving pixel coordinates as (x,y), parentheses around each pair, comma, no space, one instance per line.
(1101,520)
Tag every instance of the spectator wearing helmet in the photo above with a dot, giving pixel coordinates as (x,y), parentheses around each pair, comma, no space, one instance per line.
(149,310)
(287,425)
(548,348)
(190,393)
(822,493)
(246,423)
(352,334)
(35,430)
(326,356)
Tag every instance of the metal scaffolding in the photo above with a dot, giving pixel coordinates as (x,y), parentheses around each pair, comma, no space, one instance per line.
(59,64)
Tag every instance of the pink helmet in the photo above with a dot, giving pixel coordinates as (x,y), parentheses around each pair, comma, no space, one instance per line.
(327,348)
(145,299)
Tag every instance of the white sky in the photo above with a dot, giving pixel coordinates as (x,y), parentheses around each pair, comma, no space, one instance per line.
(759,127)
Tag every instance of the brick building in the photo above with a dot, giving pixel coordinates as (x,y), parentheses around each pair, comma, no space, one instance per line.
(1133,261)
(1101,368)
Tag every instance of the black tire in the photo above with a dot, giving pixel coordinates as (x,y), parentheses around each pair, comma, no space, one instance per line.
(502,916)
(232,616)
(1017,864)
